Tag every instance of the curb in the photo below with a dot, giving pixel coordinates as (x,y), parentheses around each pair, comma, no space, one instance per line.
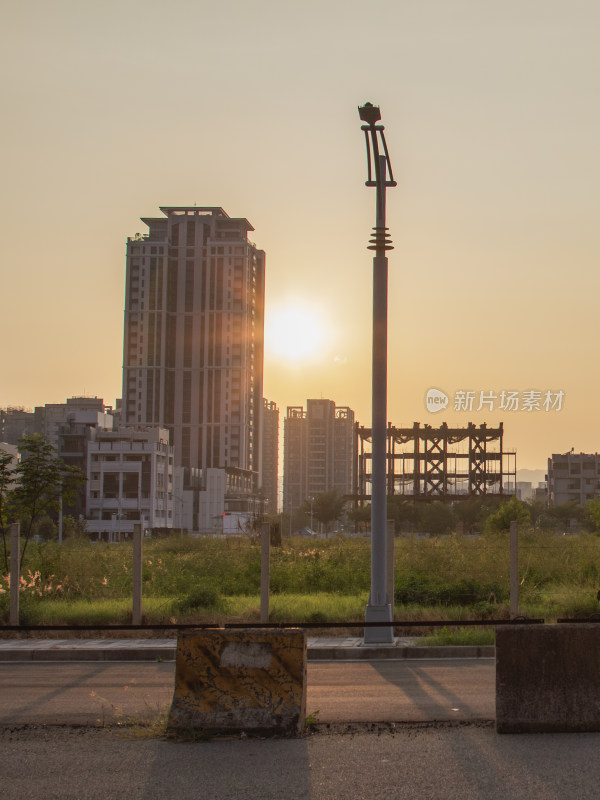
(411,653)
(112,652)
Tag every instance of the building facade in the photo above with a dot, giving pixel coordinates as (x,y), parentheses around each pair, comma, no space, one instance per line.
(193,341)
(573,477)
(130,480)
(13,452)
(49,419)
(73,438)
(15,423)
(319,452)
(269,455)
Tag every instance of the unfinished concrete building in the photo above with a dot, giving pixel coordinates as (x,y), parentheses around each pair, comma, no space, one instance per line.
(428,463)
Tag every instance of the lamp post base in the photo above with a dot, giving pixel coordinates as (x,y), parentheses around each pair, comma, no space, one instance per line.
(374,634)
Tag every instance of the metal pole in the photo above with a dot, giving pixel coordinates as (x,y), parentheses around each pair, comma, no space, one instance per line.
(136,616)
(379,608)
(14,573)
(514,570)
(265,557)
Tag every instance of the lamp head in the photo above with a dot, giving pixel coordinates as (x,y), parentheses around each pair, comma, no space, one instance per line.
(369,113)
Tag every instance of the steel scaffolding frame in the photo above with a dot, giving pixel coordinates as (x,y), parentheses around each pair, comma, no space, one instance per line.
(429,463)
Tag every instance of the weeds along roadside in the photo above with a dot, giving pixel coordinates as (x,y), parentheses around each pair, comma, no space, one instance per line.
(215,580)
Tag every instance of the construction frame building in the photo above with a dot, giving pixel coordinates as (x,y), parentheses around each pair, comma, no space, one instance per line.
(426,463)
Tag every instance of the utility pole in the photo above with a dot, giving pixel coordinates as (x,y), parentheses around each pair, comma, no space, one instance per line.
(379,608)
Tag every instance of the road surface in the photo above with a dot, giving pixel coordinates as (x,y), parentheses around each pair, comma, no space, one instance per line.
(93,693)
(435,763)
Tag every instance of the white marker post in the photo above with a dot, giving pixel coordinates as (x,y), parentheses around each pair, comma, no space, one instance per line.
(514,569)
(15,573)
(265,559)
(136,616)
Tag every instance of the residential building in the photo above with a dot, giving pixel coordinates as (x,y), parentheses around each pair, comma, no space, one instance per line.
(13,451)
(130,480)
(524,490)
(73,438)
(269,454)
(573,477)
(319,452)
(193,340)
(49,418)
(228,503)
(15,423)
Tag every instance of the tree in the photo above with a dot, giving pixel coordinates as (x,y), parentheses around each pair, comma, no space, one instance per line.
(538,513)
(326,507)
(402,510)
(565,513)
(73,528)
(513,510)
(42,477)
(436,518)
(592,515)
(472,512)
(361,516)
(6,482)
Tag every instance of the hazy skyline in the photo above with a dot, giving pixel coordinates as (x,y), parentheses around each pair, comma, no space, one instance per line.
(492,118)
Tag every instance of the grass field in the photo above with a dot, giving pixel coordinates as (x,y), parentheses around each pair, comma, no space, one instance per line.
(189,579)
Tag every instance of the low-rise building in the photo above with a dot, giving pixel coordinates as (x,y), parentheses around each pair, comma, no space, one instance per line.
(13,451)
(15,423)
(227,502)
(130,480)
(49,419)
(573,477)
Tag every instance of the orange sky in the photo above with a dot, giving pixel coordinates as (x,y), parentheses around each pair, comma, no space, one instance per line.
(492,120)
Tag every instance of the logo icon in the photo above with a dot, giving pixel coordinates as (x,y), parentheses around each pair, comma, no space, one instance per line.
(435,400)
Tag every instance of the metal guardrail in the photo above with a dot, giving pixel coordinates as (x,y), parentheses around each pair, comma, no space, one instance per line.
(276,625)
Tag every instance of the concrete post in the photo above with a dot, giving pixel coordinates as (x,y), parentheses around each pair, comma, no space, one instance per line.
(60,520)
(514,570)
(136,616)
(391,532)
(265,558)
(15,573)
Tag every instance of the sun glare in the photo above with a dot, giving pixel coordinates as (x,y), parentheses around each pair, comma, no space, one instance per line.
(295,333)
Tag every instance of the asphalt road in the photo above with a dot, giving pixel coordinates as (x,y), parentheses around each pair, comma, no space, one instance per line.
(444,760)
(434,763)
(96,693)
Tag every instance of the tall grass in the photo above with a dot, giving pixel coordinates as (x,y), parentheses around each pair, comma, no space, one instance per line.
(203,579)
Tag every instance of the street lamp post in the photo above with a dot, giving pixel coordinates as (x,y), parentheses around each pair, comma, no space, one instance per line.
(379,608)
(312,499)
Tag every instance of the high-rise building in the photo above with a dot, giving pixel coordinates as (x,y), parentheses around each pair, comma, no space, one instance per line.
(193,344)
(269,458)
(319,452)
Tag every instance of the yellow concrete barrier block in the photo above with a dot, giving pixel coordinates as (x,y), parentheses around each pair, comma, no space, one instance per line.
(229,681)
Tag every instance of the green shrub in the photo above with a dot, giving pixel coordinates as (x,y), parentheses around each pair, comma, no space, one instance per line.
(203,596)
(424,590)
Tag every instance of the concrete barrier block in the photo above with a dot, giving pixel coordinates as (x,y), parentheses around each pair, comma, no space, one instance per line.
(228,681)
(548,678)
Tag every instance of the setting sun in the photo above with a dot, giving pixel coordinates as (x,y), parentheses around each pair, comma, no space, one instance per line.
(296,333)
